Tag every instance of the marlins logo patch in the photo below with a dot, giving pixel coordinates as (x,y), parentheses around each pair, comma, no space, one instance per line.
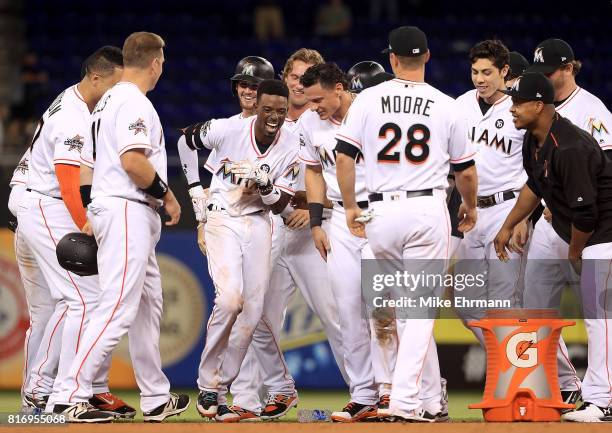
(292,171)
(75,143)
(22,166)
(138,126)
(597,128)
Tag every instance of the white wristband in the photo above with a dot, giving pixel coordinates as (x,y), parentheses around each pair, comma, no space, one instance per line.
(272,197)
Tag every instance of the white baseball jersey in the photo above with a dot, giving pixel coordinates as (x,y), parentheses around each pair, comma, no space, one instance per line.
(124,119)
(586,111)
(212,162)
(58,139)
(299,171)
(408,133)
(20,174)
(318,147)
(498,144)
(234,141)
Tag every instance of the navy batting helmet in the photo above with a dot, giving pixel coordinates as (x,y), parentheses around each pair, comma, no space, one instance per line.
(361,73)
(77,252)
(253,69)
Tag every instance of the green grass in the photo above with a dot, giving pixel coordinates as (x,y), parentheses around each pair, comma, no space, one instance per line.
(333,400)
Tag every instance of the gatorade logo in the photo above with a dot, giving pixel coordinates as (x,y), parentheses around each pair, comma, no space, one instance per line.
(520,350)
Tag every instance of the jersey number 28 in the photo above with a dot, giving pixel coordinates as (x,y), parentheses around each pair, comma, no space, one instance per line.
(418,138)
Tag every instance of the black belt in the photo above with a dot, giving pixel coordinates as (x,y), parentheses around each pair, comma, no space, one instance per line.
(57,198)
(377,196)
(362,204)
(146,203)
(489,200)
(211,207)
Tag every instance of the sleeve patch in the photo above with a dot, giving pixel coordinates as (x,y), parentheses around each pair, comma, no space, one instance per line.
(75,143)
(138,127)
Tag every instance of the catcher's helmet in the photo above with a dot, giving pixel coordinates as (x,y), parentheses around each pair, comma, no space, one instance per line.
(360,74)
(76,252)
(253,69)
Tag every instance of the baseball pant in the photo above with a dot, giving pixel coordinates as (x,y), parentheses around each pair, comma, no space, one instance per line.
(547,273)
(344,270)
(239,264)
(130,301)
(43,222)
(596,285)
(476,255)
(416,378)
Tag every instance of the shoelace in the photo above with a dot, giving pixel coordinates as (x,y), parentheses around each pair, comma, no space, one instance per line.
(276,398)
(210,397)
(385,400)
(349,407)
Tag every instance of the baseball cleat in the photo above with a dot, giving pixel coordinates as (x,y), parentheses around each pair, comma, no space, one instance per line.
(420,415)
(383,407)
(570,397)
(177,404)
(34,402)
(354,412)
(245,414)
(207,404)
(589,412)
(112,404)
(278,405)
(82,412)
(226,414)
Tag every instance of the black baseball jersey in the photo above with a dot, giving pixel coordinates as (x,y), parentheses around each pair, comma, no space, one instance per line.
(570,172)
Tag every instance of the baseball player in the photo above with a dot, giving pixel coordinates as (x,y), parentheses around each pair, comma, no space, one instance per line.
(549,276)
(40,303)
(326,88)
(407,132)
(51,208)
(128,186)
(568,169)
(295,262)
(500,177)
(516,66)
(256,153)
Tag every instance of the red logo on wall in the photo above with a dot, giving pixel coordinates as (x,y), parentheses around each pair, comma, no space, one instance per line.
(14,317)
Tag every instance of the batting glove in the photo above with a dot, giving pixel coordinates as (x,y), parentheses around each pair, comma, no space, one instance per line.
(199,197)
(249,171)
(365,217)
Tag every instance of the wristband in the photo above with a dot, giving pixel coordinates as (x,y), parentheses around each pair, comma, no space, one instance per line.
(316,214)
(85,195)
(271,197)
(158,188)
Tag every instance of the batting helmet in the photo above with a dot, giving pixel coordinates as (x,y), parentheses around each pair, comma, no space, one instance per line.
(76,252)
(518,64)
(253,69)
(361,73)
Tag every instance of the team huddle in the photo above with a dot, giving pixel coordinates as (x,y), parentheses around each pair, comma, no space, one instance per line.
(317,171)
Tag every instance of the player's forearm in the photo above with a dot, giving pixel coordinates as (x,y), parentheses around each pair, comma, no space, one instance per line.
(578,242)
(281,204)
(68,178)
(466,182)
(86,179)
(345,171)
(138,168)
(526,203)
(315,184)
(189,161)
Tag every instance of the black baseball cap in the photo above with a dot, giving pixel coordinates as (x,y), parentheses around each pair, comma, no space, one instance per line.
(550,55)
(517,64)
(532,86)
(407,41)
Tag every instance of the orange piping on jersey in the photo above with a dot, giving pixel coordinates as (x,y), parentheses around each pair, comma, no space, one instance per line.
(18,181)
(354,142)
(454,161)
(87,162)
(134,146)
(501,100)
(284,188)
(252,135)
(334,121)
(76,92)
(125,267)
(568,99)
(418,83)
(554,139)
(68,178)
(67,161)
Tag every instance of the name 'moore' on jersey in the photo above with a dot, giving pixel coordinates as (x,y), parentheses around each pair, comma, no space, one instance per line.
(233,140)
(20,174)
(58,139)
(498,144)
(587,112)
(408,133)
(318,147)
(124,119)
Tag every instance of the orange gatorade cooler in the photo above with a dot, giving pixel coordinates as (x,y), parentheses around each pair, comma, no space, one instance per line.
(521,382)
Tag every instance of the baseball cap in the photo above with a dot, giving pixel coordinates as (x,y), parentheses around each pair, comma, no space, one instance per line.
(550,55)
(517,64)
(407,41)
(532,86)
